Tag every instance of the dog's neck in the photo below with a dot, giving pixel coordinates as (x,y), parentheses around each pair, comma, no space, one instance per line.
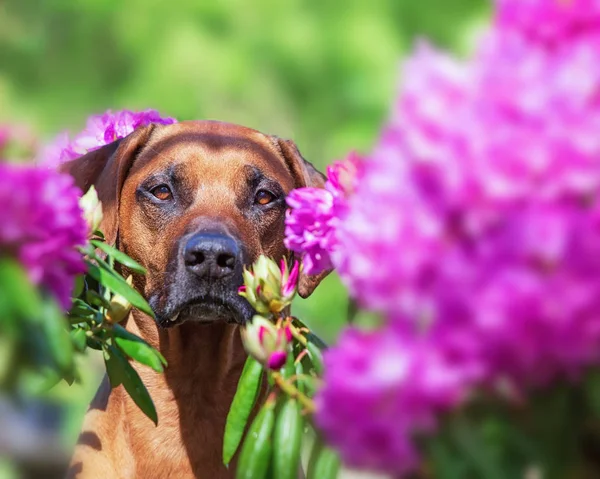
(193,395)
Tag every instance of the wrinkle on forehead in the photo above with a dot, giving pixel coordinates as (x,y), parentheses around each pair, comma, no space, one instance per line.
(214,153)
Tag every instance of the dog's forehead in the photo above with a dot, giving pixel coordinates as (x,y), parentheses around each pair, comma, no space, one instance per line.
(214,150)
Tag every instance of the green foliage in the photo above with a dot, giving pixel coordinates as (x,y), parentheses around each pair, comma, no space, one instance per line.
(33,337)
(324,462)
(554,434)
(241,407)
(120,372)
(257,448)
(104,297)
(273,444)
(39,344)
(287,440)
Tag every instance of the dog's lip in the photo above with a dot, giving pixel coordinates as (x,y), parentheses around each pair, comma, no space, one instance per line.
(232,303)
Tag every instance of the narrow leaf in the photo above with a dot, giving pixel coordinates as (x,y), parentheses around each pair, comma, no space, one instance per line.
(79,339)
(138,349)
(121,372)
(241,407)
(316,357)
(17,294)
(118,285)
(57,337)
(119,257)
(316,340)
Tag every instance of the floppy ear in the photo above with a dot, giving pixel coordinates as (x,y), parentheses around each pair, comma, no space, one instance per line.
(106,169)
(305,175)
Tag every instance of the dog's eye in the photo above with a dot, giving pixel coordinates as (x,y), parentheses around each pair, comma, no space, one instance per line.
(264,197)
(162,192)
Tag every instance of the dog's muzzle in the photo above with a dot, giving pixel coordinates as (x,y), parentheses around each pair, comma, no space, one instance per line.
(206,281)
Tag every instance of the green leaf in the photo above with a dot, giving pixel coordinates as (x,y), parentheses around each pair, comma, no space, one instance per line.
(241,407)
(94,343)
(17,294)
(121,372)
(119,257)
(324,462)
(255,456)
(57,337)
(592,389)
(81,312)
(118,285)
(316,340)
(316,358)
(287,440)
(289,368)
(94,298)
(79,339)
(79,286)
(138,349)
(80,307)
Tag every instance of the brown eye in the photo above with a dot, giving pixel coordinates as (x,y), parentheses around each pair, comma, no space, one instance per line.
(263,197)
(162,192)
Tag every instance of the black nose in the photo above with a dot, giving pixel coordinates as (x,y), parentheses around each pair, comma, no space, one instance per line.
(211,255)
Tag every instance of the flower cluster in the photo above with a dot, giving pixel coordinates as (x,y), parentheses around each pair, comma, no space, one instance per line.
(41,225)
(383,388)
(100,130)
(315,214)
(549,20)
(474,228)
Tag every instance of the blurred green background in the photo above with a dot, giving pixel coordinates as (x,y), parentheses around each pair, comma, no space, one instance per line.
(323,72)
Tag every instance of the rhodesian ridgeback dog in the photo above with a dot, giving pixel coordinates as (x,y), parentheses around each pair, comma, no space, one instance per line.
(192,202)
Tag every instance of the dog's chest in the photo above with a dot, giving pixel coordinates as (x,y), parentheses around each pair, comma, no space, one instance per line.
(187,443)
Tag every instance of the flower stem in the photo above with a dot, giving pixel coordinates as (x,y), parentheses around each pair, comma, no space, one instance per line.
(293,392)
(303,353)
(297,334)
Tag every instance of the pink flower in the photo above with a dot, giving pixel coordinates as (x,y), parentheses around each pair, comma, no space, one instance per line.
(384,389)
(100,130)
(474,228)
(314,214)
(41,225)
(289,279)
(552,20)
(266,342)
(109,127)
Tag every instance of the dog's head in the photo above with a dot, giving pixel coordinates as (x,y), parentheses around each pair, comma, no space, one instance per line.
(193,203)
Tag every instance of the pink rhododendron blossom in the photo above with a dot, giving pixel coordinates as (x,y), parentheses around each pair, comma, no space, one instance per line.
(474,228)
(382,389)
(41,224)
(549,19)
(315,213)
(100,130)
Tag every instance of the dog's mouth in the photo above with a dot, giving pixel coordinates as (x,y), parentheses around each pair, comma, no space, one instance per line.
(206,309)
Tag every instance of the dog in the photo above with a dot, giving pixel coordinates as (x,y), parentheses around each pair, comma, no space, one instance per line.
(193,203)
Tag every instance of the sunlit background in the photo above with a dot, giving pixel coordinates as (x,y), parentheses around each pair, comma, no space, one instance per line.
(320,72)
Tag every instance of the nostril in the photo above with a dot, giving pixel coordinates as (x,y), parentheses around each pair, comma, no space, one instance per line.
(226,260)
(195,257)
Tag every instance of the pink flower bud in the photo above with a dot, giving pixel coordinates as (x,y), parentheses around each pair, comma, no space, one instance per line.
(267,288)
(265,342)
